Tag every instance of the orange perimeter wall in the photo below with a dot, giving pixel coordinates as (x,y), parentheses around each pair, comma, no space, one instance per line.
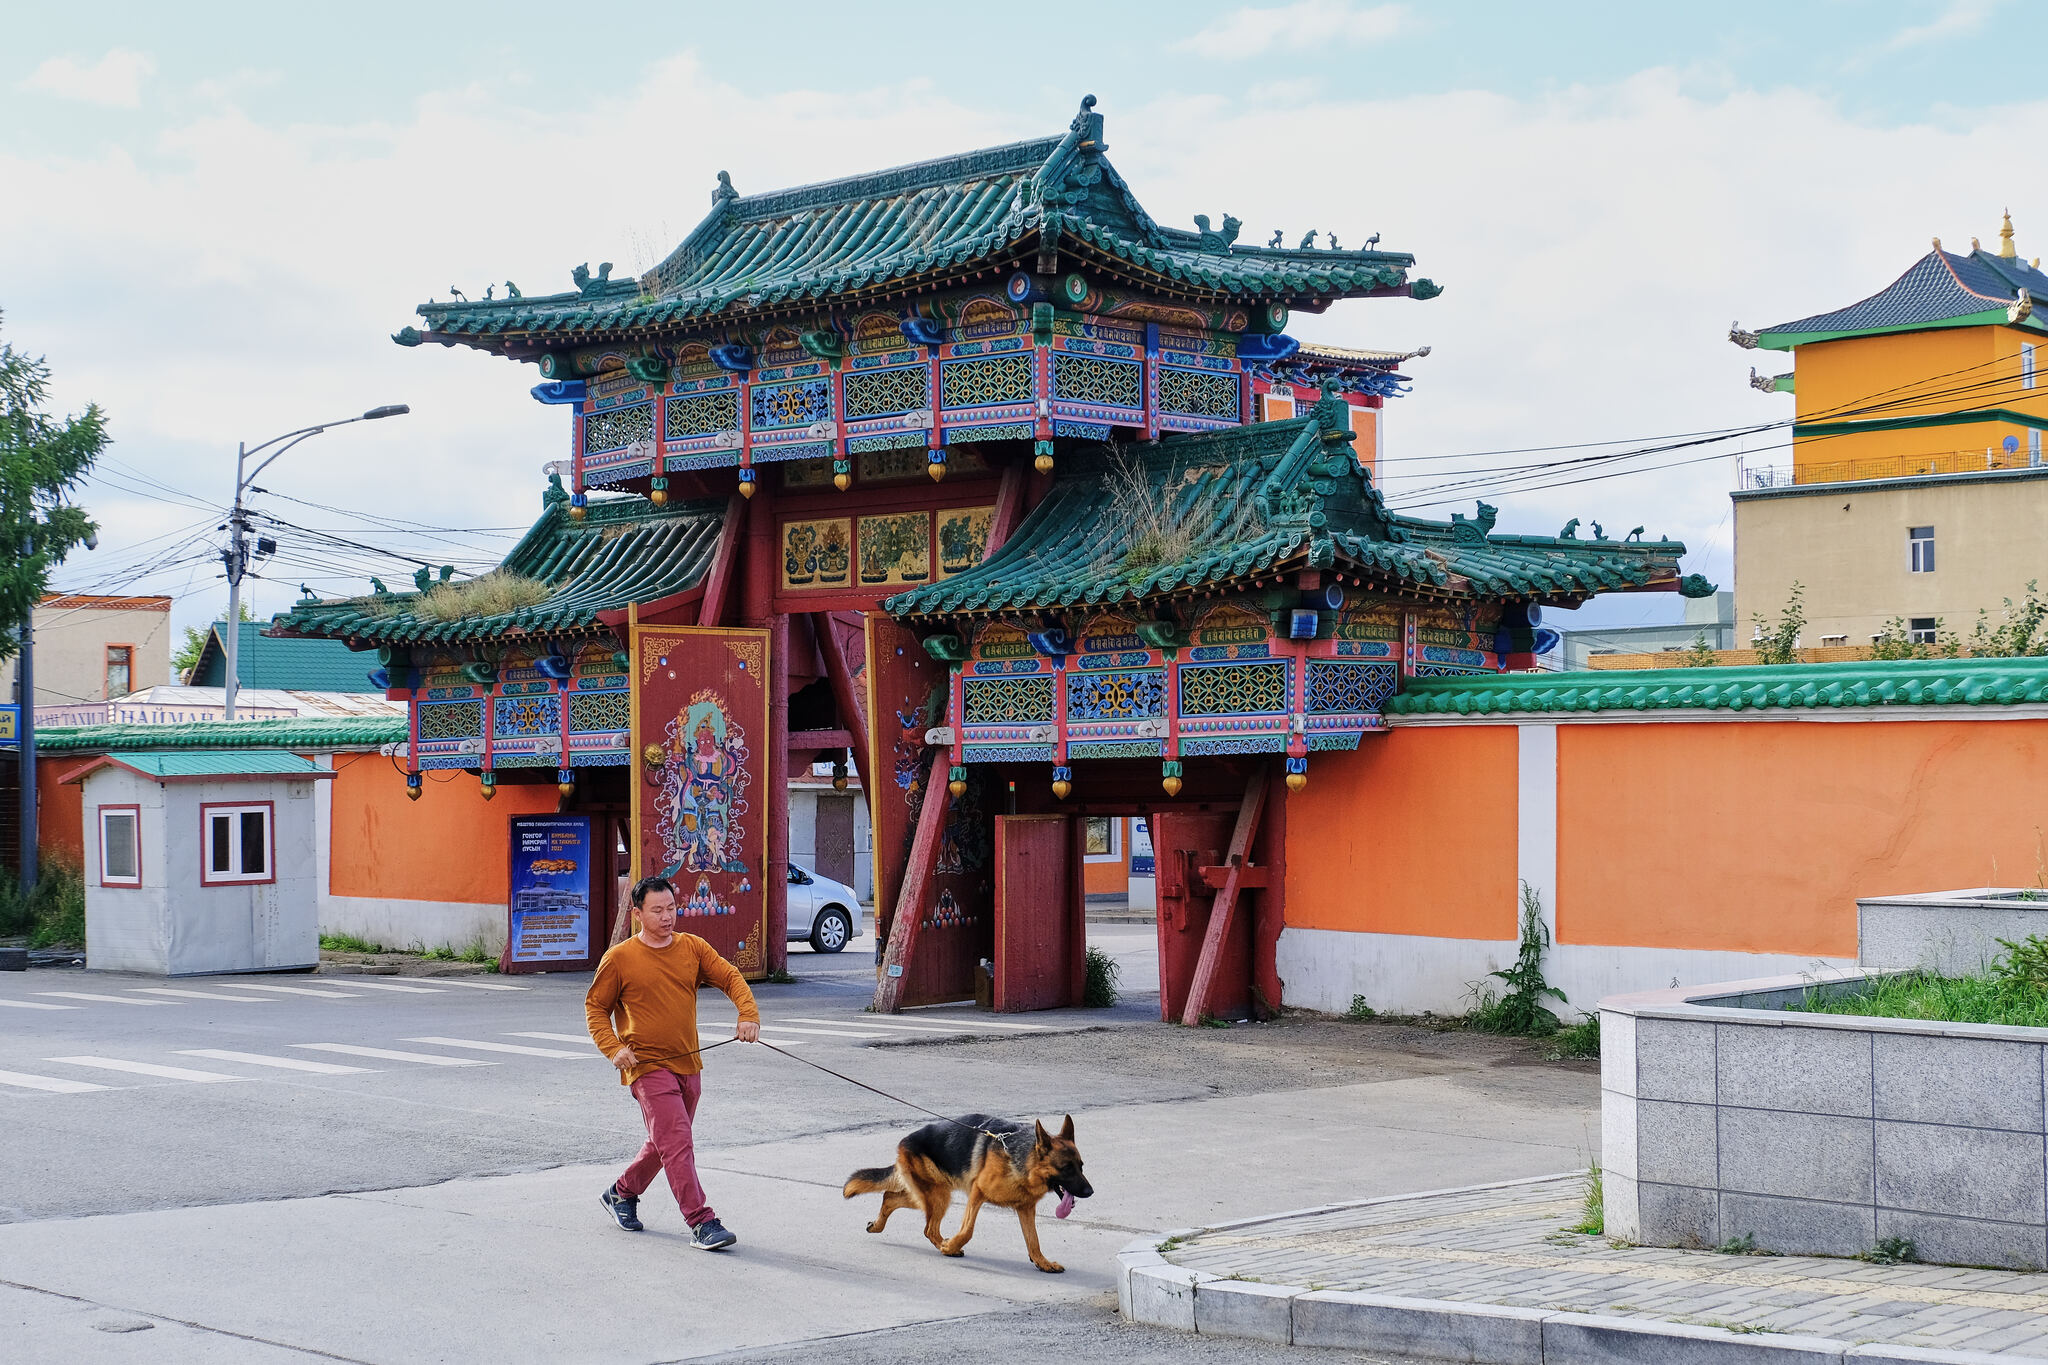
(447,846)
(1758,837)
(1412,834)
(60,809)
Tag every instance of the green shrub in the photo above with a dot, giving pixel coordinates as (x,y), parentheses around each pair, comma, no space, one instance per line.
(1520,1010)
(53,915)
(1360,1011)
(1100,990)
(2024,965)
(1579,1040)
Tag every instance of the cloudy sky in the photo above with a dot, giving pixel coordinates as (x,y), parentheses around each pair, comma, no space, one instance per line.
(213,216)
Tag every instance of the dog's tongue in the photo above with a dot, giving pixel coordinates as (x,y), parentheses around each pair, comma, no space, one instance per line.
(1066,1204)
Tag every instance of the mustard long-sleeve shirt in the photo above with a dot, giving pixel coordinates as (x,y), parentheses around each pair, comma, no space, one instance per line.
(651,993)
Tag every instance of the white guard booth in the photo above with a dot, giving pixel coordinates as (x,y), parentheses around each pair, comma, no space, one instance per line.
(200,862)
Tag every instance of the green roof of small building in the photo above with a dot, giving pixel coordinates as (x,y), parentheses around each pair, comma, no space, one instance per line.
(1911,682)
(189,763)
(919,226)
(1263,500)
(322,733)
(284,665)
(622,550)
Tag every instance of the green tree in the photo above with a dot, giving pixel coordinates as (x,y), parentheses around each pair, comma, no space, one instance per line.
(42,459)
(2024,630)
(1779,644)
(187,657)
(1698,654)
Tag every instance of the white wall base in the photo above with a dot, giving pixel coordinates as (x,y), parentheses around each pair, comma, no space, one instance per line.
(1322,969)
(401,924)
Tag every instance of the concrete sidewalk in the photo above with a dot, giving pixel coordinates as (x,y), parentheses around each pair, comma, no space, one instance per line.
(1488,1274)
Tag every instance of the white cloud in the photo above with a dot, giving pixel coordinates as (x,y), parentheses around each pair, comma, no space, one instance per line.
(1959,20)
(115,80)
(238,278)
(1252,31)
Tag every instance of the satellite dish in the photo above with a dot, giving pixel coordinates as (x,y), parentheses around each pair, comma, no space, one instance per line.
(2012,444)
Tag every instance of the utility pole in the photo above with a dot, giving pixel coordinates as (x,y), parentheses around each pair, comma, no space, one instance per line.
(236,556)
(25,683)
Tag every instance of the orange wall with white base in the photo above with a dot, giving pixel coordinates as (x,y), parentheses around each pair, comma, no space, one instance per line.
(1678,848)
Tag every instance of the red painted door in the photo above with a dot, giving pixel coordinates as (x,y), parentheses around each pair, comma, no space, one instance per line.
(1041,932)
(1184,842)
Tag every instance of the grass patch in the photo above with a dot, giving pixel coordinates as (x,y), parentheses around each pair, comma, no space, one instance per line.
(779,976)
(492,594)
(476,952)
(1099,993)
(1891,1251)
(1982,999)
(1577,1040)
(1360,1012)
(53,915)
(348,943)
(1593,1219)
(1745,1245)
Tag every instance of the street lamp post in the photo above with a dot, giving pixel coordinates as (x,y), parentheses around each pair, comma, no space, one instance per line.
(236,556)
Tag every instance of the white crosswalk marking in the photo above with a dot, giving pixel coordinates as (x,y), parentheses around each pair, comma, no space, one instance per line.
(34,1005)
(479,985)
(204,995)
(104,999)
(553,1037)
(283,1063)
(387,1054)
(866,1023)
(51,1083)
(169,1073)
(825,1033)
(294,990)
(514,1048)
(985,1023)
(361,983)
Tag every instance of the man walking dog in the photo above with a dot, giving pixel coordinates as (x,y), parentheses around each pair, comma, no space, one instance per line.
(648,985)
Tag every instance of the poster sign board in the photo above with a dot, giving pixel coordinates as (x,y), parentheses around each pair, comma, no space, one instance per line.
(10,726)
(551,890)
(1141,848)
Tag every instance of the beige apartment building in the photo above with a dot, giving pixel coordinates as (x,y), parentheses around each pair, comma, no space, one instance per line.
(91,649)
(1917,487)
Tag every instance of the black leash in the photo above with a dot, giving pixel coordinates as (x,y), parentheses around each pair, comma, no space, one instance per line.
(998,1137)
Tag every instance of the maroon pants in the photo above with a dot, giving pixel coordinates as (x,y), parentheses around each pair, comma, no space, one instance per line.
(668,1103)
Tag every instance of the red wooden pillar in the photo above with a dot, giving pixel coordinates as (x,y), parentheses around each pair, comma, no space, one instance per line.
(758,609)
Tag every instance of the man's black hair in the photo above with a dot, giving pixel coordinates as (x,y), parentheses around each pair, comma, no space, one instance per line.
(647,885)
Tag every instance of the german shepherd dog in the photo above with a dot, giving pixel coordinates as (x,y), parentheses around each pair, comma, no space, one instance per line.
(996,1161)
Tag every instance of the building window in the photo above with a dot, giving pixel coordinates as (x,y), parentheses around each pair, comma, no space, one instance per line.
(2034,447)
(1920,630)
(120,670)
(237,844)
(1920,549)
(120,845)
(1100,833)
(2026,366)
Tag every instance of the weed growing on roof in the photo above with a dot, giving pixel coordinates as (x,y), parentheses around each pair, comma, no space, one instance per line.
(1166,519)
(492,594)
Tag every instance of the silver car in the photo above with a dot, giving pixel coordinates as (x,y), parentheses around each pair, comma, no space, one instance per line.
(821,910)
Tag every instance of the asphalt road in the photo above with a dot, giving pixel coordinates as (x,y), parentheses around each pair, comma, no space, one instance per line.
(175,1167)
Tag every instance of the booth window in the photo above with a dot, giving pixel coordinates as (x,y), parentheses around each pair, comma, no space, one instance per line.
(1100,833)
(237,844)
(120,845)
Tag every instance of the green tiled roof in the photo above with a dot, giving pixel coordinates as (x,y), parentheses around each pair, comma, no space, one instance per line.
(921,224)
(1915,682)
(286,665)
(215,763)
(624,550)
(311,734)
(1262,499)
(1942,288)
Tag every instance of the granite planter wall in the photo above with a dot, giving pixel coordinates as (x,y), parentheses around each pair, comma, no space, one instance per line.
(1949,933)
(1724,1116)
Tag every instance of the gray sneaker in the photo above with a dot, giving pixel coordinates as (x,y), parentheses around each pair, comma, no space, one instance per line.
(623,1208)
(710,1235)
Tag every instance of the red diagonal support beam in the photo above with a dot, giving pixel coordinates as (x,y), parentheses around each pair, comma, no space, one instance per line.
(1226,899)
(917,885)
(1009,507)
(844,700)
(718,582)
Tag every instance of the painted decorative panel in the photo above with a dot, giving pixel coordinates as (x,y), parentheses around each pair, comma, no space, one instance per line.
(1115,382)
(612,430)
(878,393)
(1124,694)
(1233,689)
(700,801)
(1007,701)
(1335,687)
(896,548)
(906,461)
(703,414)
(451,720)
(817,554)
(527,716)
(773,406)
(977,383)
(807,474)
(963,538)
(1198,394)
(596,711)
